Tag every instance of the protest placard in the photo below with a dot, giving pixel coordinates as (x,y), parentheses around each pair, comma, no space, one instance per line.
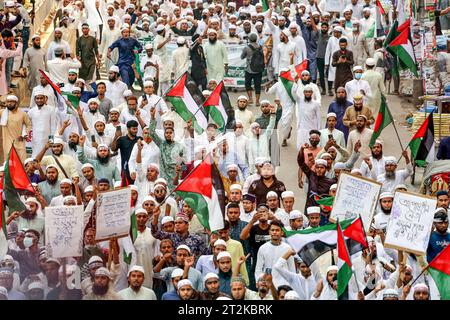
(409,227)
(64,231)
(355,196)
(113,214)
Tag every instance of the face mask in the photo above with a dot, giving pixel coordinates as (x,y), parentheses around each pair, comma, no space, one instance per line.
(27,242)
(358,76)
(355,29)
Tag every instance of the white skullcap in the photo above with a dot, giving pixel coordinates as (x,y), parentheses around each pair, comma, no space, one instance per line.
(183,247)
(140,211)
(184,282)
(136,268)
(210,275)
(370,62)
(390,293)
(339,29)
(311,210)
(35,285)
(331,114)
(291,295)
(160,181)
(206,92)
(160,27)
(89,189)
(420,286)
(271,194)
(68,181)
(356,170)
(356,68)
(286,32)
(316,13)
(148,46)
(177,272)
(223,254)
(401,186)
(265,101)
(212,30)
(260,160)
(236,186)
(95,259)
(366,9)
(102,145)
(295,214)
(326,14)
(333,187)
(320,162)
(133,187)
(287,194)
(325,154)
(308,88)
(232,166)
(12,97)
(232,27)
(114,69)
(242,97)
(166,219)
(390,160)
(102,271)
(341,19)
(181,40)
(148,198)
(68,198)
(332,268)
(386,195)
(76,89)
(220,242)
(28,160)
(81,80)
(87,165)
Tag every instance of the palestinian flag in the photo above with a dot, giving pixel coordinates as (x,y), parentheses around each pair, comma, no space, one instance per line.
(393,33)
(16,182)
(384,119)
(205,187)
(265,5)
(439,269)
(327,202)
(288,82)
(60,100)
(181,96)
(314,242)
(422,143)
(219,107)
(72,98)
(371,31)
(301,66)
(405,49)
(380,7)
(355,231)
(344,266)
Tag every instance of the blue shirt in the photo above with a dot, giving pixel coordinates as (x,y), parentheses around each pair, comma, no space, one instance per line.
(436,244)
(310,36)
(444,149)
(170,295)
(126,47)
(340,112)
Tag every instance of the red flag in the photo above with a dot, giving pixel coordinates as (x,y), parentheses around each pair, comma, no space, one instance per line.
(300,67)
(355,231)
(380,7)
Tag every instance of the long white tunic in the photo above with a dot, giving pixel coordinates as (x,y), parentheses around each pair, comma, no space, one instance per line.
(108,37)
(308,119)
(43,122)
(354,87)
(114,91)
(164,67)
(376,84)
(180,61)
(288,110)
(259,146)
(332,46)
(300,49)
(216,57)
(285,50)
(146,249)
(94,19)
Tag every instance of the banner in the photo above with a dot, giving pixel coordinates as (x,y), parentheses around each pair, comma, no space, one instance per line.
(64,228)
(113,214)
(409,227)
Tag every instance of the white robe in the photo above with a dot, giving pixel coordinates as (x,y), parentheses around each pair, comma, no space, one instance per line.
(308,119)
(354,87)
(300,49)
(147,248)
(43,125)
(94,19)
(180,61)
(108,37)
(332,47)
(288,107)
(285,50)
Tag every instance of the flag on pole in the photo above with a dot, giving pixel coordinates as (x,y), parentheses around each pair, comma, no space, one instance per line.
(405,49)
(439,269)
(380,7)
(288,82)
(181,96)
(61,104)
(422,143)
(205,187)
(384,119)
(327,202)
(301,67)
(344,265)
(371,31)
(219,107)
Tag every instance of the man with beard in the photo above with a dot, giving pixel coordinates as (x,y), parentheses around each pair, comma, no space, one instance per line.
(133,113)
(150,99)
(354,111)
(59,67)
(105,104)
(33,60)
(136,290)
(89,117)
(146,173)
(125,144)
(212,287)
(89,178)
(185,290)
(66,164)
(393,177)
(102,163)
(115,87)
(167,206)
(114,124)
(362,134)
(58,42)
(148,152)
(6,283)
(248,208)
(199,71)
(69,83)
(267,182)
(247,30)
(102,287)
(50,187)
(245,115)
(330,130)
(327,290)
(109,34)
(252,75)
(374,165)
(31,166)
(305,80)
(440,237)
(171,151)
(309,116)
(160,44)
(216,57)
(343,61)
(87,53)
(321,49)
(300,45)
(358,86)
(127,47)
(303,283)
(13,121)
(381,219)
(43,120)
(50,94)
(286,52)
(310,35)
(30,218)
(90,249)
(339,107)
(318,183)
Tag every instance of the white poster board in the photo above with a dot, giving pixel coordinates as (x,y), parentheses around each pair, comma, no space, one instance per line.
(409,227)
(64,226)
(113,214)
(355,196)
(335,5)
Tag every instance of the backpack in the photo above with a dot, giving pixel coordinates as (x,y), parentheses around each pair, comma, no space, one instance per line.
(257,61)
(387,64)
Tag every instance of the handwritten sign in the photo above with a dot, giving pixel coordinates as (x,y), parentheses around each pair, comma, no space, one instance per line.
(113,214)
(409,227)
(334,5)
(64,231)
(355,196)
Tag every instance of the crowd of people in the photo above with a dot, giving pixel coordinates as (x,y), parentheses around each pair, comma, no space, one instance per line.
(121,131)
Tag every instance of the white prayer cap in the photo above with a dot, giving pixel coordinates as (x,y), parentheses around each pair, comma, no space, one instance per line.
(232,27)
(271,194)
(110,6)
(347,9)
(114,110)
(356,170)
(114,69)
(68,181)
(95,259)
(51,166)
(205,11)
(130,6)
(386,195)
(312,210)
(87,165)
(282,18)
(140,211)
(390,293)
(332,268)
(76,89)
(12,97)
(127,93)
(35,36)
(160,27)
(102,271)
(133,187)
(100,120)
(58,141)
(236,186)
(102,145)
(325,154)
(136,268)
(177,272)
(35,285)
(69,198)
(184,282)
(341,19)
(320,162)
(220,242)
(111,18)
(81,80)
(333,187)
(260,160)
(326,14)
(295,214)
(316,13)
(287,194)
(291,295)
(206,92)
(149,83)
(331,114)
(422,286)
(357,68)
(89,189)
(223,254)
(307,88)
(10,4)
(286,32)
(184,247)
(28,160)
(242,97)
(212,30)
(32,199)
(161,180)
(57,29)
(148,46)
(148,198)
(232,166)
(366,9)
(390,160)
(181,40)
(265,101)
(355,22)
(166,219)
(73,71)
(210,275)
(401,186)
(338,29)
(370,62)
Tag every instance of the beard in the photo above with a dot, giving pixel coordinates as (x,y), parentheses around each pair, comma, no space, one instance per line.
(101,134)
(212,41)
(132,111)
(386,211)
(305,82)
(11,108)
(263,290)
(72,81)
(376,156)
(72,145)
(341,100)
(28,215)
(358,108)
(93,111)
(36,46)
(103,160)
(99,290)
(390,175)
(308,99)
